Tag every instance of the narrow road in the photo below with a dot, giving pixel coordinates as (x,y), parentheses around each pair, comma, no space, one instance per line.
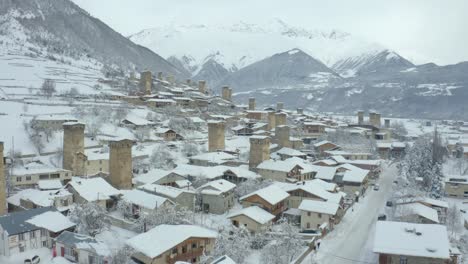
(351,241)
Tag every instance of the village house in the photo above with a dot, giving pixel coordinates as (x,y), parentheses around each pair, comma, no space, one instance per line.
(135,122)
(217,196)
(213,159)
(96,162)
(440,206)
(253,218)
(271,199)
(416,213)
(143,203)
(48,185)
(257,114)
(82,249)
(30,174)
(95,190)
(167,134)
(348,155)
(158,176)
(181,197)
(31,229)
(181,243)
(310,190)
(324,145)
(353,179)
(242,130)
(316,215)
(286,153)
(279,170)
(51,122)
(26,199)
(314,129)
(457,187)
(400,242)
(160,102)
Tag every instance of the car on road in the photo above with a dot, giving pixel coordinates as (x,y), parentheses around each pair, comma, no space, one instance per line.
(382,217)
(389,203)
(376,187)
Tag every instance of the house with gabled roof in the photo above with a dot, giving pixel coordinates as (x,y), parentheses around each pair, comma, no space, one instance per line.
(253,218)
(217,196)
(81,248)
(271,199)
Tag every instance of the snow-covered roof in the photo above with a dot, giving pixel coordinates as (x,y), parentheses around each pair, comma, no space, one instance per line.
(214,157)
(93,189)
(85,242)
(217,187)
(138,121)
(417,209)
(290,152)
(308,187)
(34,168)
(164,190)
(255,213)
(277,165)
(271,194)
(53,221)
(167,237)
(53,184)
(323,142)
(319,207)
(325,173)
(152,176)
(160,100)
(353,173)
(41,198)
(143,199)
(409,239)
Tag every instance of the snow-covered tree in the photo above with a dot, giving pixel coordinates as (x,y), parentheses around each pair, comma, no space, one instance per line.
(234,242)
(122,255)
(90,218)
(454,221)
(251,185)
(190,149)
(286,247)
(162,158)
(48,88)
(398,130)
(164,215)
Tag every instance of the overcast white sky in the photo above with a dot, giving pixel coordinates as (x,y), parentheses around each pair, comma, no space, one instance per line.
(420,30)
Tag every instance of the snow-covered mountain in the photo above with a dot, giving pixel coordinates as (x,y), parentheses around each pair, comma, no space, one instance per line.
(61,28)
(238,45)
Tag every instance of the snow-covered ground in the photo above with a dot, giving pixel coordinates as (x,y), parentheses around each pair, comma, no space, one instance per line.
(352,239)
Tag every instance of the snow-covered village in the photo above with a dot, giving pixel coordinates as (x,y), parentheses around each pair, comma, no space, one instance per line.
(222,144)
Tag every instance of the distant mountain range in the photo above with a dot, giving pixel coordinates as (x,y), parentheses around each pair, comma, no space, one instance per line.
(321,71)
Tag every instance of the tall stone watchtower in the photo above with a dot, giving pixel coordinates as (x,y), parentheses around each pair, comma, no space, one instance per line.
(216,135)
(259,150)
(73,143)
(146,81)
(279,106)
(251,103)
(202,86)
(226,93)
(280,119)
(271,120)
(282,136)
(387,123)
(120,164)
(360,115)
(3,190)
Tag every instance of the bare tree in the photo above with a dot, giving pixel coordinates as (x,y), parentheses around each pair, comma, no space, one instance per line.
(454,221)
(48,88)
(90,218)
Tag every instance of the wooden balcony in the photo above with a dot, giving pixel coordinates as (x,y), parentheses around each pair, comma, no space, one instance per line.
(188,256)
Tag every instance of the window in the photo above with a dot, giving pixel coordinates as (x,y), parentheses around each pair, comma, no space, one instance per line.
(308,213)
(174,251)
(32,234)
(319,215)
(403,260)
(100,162)
(43,233)
(19,179)
(21,237)
(44,243)
(91,259)
(66,174)
(184,249)
(28,178)
(308,225)
(55,176)
(194,245)
(21,248)
(43,177)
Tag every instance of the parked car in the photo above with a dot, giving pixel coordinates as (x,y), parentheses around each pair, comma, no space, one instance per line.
(36,259)
(376,187)
(382,217)
(389,203)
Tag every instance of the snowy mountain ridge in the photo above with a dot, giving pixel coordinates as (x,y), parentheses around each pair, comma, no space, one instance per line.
(238,45)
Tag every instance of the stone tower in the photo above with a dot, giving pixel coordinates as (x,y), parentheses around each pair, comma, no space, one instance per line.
(202,86)
(73,143)
(216,135)
(226,93)
(279,106)
(3,191)
(188,82)
(282,136)
(146,81)
(280,119)
(120,164)
(160,76)
(387,123)
(251,103)
(300,111)
(271,120)
(360,115)
(378,120)
(259,150)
